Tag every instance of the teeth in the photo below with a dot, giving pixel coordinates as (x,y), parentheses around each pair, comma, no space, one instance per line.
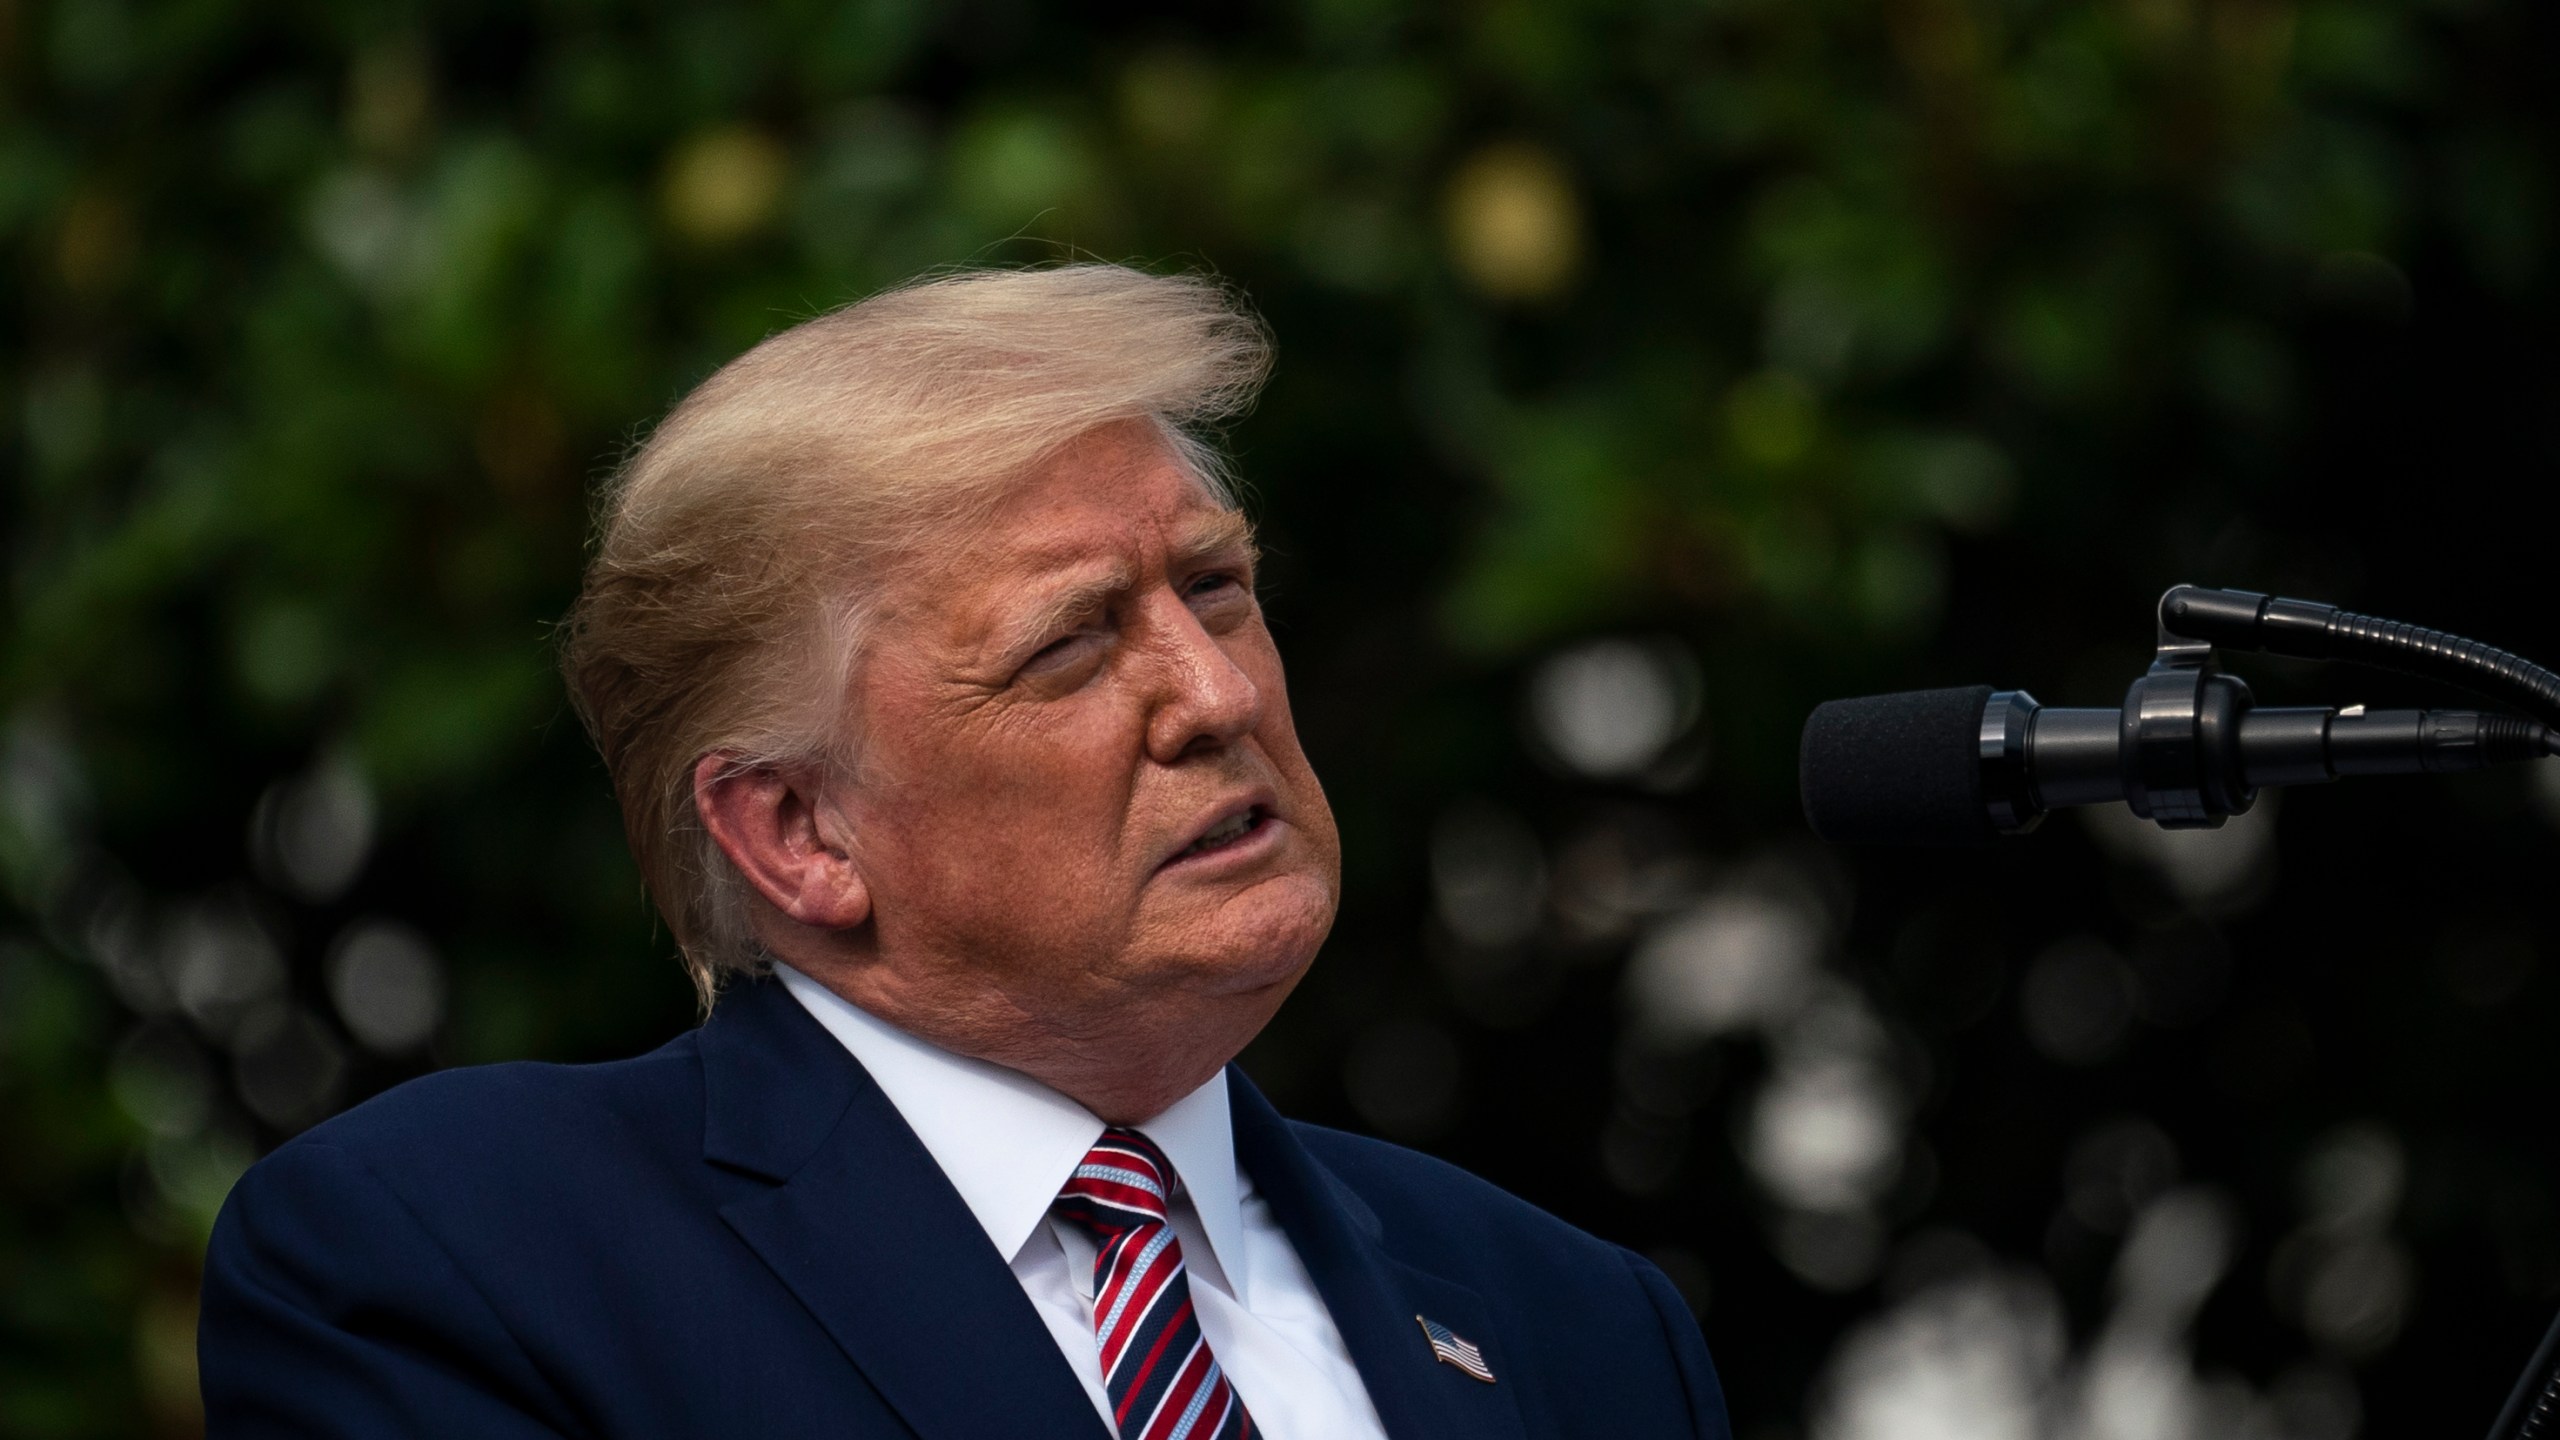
(1226,831)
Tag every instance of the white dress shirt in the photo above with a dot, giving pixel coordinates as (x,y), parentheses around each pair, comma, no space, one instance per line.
(1008,1144)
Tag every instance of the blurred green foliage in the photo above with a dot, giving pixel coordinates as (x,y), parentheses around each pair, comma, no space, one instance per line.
(1742,320)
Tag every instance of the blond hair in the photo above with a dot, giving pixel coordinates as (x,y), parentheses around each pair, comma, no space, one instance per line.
(722,610)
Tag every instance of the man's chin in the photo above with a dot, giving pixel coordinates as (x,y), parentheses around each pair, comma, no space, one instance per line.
(1264,936)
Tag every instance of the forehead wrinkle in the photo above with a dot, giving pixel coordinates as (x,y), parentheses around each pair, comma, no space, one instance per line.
(1192,536)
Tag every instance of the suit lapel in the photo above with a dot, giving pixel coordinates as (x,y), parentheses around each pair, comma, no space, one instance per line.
(1374,1298)
(863,1227)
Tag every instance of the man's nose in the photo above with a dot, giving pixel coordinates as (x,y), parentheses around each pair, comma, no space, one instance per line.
(1204,699)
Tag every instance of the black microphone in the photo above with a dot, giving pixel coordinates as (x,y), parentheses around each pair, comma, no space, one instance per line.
(1963,766)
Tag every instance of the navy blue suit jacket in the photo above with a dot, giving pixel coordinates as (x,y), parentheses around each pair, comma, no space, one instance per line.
(738,1235)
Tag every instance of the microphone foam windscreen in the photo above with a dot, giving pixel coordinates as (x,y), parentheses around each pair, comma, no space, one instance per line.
(1897,769)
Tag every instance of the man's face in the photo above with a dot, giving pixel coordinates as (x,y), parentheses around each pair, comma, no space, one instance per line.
(1078,786)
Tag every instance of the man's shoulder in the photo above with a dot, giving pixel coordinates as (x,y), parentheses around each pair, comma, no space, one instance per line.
(1421,1199)
(486,1121)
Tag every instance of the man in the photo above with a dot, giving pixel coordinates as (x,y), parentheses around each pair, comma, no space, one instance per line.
(922,645)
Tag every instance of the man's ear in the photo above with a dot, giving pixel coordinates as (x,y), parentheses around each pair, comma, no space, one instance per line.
(782,835)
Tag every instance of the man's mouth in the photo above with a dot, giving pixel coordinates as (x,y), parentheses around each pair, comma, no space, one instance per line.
(1227,832)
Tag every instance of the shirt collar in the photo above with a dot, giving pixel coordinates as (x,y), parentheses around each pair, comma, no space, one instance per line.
(1008,1143)
(1198,1136)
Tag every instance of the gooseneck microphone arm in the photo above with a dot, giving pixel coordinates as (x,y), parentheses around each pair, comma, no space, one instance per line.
(2188,748)
(2306,630)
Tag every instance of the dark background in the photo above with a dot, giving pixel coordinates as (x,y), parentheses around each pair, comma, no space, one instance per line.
(1648,372)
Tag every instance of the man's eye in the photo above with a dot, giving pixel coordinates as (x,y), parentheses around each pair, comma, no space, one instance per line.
(1058,654)
(1214,583)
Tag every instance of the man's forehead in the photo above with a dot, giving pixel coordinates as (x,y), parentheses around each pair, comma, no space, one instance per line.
(1084,536)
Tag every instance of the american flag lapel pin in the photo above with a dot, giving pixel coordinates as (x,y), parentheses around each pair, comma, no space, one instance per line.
(1448,1349)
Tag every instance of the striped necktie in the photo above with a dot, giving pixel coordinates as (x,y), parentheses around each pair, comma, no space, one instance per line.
(1156,1366)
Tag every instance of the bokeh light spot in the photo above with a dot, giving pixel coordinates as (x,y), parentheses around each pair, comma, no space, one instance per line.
(1610,708)
(1515,224)
(310,834)
(388,985)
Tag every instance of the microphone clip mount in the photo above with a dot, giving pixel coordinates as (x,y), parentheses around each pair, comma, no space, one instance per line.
(2181,743)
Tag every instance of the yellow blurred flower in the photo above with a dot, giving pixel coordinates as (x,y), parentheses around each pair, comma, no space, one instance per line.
(1515,224)
(723,184)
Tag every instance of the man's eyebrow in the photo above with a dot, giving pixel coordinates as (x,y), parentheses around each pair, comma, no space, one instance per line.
(1226,530)
(1209,536)
(1068,602)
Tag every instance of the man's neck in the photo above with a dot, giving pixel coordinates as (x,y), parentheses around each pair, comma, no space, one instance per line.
(1125,1067)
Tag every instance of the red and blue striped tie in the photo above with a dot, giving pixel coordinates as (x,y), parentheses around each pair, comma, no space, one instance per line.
(1156,1366)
